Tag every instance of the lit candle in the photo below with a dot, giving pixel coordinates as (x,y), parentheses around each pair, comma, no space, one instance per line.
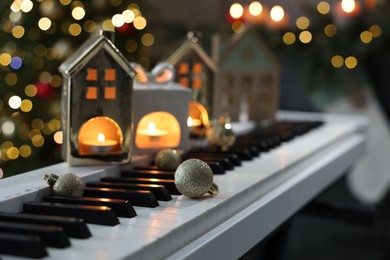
(193,122)
(152,132)
(101,144)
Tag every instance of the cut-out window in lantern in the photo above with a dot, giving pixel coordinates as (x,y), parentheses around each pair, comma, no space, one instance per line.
(158,130)
(97,104)
(100,135)
(160,110)
(195,70)
(198,119)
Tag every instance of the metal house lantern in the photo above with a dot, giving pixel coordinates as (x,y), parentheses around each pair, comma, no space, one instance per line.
(195,70)
(97,104)
(160,111)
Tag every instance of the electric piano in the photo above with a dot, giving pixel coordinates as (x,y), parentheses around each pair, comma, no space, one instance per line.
(256,195)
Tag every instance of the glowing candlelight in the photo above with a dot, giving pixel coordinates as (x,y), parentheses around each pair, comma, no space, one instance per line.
(101,144)
(152,132)
(193,122)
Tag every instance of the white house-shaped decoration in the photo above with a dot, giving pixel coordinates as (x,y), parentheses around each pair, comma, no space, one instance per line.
(247,83)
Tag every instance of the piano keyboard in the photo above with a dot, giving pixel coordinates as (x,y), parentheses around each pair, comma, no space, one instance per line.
(136,211)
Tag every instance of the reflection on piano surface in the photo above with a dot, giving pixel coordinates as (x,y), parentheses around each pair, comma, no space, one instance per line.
(135,211)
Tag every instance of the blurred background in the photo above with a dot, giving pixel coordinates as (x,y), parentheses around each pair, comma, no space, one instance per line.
(328,50)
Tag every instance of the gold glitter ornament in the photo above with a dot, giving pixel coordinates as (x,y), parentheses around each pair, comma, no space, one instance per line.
(221,136)
(67,185)
(168,159)
(194,178)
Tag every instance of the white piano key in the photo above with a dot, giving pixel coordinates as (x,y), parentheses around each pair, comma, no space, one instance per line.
(161,231)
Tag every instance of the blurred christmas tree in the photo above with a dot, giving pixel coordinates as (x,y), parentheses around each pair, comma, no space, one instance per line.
(35,38)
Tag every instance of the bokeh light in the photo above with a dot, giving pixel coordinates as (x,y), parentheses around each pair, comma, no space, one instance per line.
(44,23)
(236,11)
(118,20)
(305,37)
(303,22)
(14,102)
(348,6)
(351,62)
(277,13)
(128,15)
(78,13)
(366,37)
(139,23)
(323,7)
(289,38)
(255,8)
(337,61)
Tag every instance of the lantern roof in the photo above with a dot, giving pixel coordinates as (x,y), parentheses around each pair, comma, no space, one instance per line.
(89,49)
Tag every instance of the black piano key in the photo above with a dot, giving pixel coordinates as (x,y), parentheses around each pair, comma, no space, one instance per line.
(22,245)
(231,157)
(169,184)
(217,168)
(122,208)
(149,172)
(91,214)
(151,167)
(159,191)
(142,198)
(73,227)
(251,148)
(224,161)
(52,236)
(235,153)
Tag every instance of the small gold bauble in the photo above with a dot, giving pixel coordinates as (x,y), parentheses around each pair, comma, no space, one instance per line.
(194,178)
(168,159)
(221,135)
(67,185)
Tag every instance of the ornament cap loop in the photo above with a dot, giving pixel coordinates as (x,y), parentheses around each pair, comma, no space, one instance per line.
(50,178)
(214,189)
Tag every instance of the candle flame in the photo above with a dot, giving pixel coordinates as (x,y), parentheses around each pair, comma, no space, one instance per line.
(152,128)
(101,138)
(189,121)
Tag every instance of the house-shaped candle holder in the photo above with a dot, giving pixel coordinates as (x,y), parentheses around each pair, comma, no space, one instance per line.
(247,83)
(97,104)
(195,70)
(160,112)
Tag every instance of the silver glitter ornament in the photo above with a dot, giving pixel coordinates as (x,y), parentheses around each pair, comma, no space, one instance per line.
(221,136)
(194,178)
(168,159)
(67,185)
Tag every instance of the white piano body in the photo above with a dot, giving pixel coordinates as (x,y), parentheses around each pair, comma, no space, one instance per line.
(254,199)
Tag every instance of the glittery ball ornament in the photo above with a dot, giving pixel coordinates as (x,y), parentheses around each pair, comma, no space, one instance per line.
(194,178)
(221,136)
(67,185)
(168,159)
